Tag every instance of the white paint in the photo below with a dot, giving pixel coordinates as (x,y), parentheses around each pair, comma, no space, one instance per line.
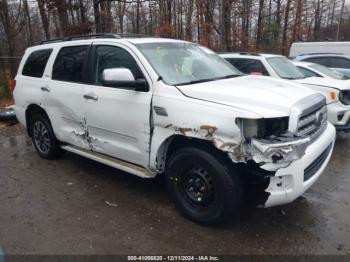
(300,48)
(120,128)
(321,85)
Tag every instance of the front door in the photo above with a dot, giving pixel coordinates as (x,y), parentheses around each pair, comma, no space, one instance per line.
(118,119)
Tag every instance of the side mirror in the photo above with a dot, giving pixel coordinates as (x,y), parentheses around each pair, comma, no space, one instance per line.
(123,78)
(255,74)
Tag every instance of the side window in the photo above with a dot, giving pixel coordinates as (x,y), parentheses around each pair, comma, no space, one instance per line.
(113,57)
(319,60)
(307,72)
(338,62)
(248,66)
(36,63)
(69,64)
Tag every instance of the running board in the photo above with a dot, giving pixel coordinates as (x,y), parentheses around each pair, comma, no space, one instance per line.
(110,161)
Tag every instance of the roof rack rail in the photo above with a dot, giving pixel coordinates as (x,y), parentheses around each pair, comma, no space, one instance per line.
(249,53)
(322,53)
(131,35)
(77,37)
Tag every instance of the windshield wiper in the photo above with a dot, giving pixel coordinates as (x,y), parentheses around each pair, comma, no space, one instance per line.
(231,76)
(294,78)
(207,80)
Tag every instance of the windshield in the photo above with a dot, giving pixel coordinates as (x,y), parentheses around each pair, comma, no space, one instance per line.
(186,63)
(285,68)
(328,72)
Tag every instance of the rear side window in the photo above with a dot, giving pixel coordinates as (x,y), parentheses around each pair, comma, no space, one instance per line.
(319,60)
(36,63)
(69,64)
(338,62)
(248,66)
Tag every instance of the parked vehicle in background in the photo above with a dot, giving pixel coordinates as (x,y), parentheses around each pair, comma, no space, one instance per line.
(302,48)
(317,70)
(152,106)
(337,92)
(337,62)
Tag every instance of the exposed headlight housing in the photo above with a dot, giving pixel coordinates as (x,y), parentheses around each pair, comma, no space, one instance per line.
(265,127)
(344,97)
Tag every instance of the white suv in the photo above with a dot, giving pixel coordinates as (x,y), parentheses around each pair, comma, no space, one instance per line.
(337,92)
(153,106)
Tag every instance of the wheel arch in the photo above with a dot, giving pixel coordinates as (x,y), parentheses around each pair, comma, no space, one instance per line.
(175,142)
(30,111)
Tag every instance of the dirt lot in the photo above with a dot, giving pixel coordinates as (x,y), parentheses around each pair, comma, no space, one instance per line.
(77,206)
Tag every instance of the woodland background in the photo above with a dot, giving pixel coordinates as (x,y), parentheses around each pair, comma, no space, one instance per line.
(223,25)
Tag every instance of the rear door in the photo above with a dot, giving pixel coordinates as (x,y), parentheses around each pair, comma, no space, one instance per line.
(64,99)
(30,80)
(118,119)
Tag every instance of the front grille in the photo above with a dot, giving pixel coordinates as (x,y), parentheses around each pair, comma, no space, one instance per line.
(312,123)
(312,169)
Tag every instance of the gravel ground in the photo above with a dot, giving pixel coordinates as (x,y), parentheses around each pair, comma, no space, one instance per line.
(77,206)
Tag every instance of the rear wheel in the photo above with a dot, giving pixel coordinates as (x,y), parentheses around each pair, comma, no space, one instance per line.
(205,188)
(44,139)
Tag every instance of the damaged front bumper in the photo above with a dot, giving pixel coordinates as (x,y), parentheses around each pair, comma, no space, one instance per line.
(276,154)
(293,180)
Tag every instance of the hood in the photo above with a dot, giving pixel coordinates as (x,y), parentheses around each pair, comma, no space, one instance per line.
(325,82)
(265,96)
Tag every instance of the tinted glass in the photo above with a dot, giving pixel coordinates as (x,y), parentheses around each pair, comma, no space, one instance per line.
(248,66)
(69,64)
(36,63)
(180,63)
(338,62)
(319,60)
(285,68)
(328,72)
(114,57)
(307,72)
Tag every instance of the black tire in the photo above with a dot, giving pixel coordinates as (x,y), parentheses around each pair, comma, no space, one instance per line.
(45,142)
(222,194)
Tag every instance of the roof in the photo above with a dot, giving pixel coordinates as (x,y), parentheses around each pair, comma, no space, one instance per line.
(249,55)
(321,55)
(83,39)
(143,40)
(302,63)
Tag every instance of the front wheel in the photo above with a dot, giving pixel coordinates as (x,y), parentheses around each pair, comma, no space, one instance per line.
(204,187)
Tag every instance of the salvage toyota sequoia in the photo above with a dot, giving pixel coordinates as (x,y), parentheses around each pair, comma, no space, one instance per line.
(153,106)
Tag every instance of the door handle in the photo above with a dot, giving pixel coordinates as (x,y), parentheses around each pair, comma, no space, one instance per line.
(45,88)
(91,96)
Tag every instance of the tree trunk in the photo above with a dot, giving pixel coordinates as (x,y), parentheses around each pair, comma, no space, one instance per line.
(62,14)
(82,11)
(285,28)
(9,34)
(97,16)
(188,26)
(27,14)
(44,18)
(340,20)
(260,24)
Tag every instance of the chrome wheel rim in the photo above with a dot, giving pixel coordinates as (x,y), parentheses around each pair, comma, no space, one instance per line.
(41,137)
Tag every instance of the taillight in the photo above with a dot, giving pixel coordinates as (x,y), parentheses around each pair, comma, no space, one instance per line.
(12,84)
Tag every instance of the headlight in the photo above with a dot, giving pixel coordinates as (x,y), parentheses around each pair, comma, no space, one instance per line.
(264,128)
(344,97)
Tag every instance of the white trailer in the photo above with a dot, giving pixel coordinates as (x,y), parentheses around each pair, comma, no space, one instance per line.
(302,48)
